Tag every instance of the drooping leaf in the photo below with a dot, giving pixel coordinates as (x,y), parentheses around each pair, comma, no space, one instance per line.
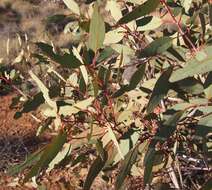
(189,85)
(126,167)
(66,151)
(97,30)
(31,159)
(112,137)
(208,86)
(150,157)
(156,47)
(142,10)
(94,170)
(67,60)
(126,143)
(165,131)
(44,90)
(160,90)
(48,155)
(134,81)
(200,64)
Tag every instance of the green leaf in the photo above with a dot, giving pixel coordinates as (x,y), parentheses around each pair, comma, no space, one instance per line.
(95,168)
(208,86)
(210,12)
(126,167)
(150,158)
(156,47)
(200,64)
(44,90)
(207,185)
(62,155)
(67,60)
(168,127)
(142,10)
(31,159)
(189,85)
(97,30)
(204,126)
(137,76)
(160,90)
(134,81)
(165,131)
(48,155)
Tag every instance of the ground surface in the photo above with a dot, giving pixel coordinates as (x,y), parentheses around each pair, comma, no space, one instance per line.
(17,139)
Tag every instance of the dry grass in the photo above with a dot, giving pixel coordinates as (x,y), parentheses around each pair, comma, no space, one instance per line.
(26,18)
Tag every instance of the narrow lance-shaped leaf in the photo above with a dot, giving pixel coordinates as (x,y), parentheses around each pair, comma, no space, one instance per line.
(160,90)
(165,131)
(68,60)
(73,109)
(95,168)
(200,64)
(97,30)
(210,12)
(134,81)
(48,155)
(31,159)
(156,47)
(126,167)
(142,10)
(44,90)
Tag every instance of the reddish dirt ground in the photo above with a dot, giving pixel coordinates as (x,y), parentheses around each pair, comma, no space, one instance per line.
(17,140)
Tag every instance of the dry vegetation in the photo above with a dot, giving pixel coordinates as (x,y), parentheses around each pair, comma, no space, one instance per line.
(124,108)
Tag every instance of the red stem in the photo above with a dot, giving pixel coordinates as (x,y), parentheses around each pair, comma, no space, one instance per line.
(178,25)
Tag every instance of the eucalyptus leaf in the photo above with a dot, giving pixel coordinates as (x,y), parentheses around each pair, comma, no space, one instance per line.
(200,64)
(126,167)
(67,60)
(94,170)
(160,90)
(48,155)
(97,30)
(156,47)
(142,10)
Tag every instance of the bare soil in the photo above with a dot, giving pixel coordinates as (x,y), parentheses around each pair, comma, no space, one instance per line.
(17,139)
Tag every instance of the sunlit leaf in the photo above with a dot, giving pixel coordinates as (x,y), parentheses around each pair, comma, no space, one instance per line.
(44,90)
(73,109)
(112,137)
(73,6)
(97,30)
